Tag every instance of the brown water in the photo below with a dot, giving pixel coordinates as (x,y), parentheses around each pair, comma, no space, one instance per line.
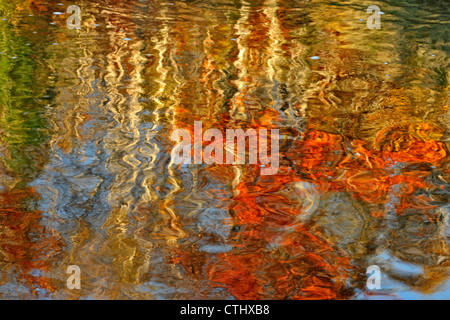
(86,177)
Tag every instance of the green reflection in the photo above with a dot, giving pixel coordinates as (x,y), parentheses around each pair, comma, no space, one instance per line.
(22,122)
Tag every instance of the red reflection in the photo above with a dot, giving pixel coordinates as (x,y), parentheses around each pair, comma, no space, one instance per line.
(25,244)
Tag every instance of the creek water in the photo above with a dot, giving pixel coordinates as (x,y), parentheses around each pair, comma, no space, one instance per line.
(86,176)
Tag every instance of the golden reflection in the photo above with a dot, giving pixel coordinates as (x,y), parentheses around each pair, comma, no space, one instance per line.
(87,178)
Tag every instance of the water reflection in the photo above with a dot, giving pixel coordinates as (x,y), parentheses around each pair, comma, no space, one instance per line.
(87,179)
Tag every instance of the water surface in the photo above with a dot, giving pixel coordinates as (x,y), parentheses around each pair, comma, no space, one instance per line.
(86,176)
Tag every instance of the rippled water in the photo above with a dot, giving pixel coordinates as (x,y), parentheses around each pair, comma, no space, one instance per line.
(86,176)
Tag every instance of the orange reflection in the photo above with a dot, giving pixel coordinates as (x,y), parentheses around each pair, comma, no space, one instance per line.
(25,243)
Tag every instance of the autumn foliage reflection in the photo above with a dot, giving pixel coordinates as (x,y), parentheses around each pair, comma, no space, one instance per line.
(25,244)
(276,256)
